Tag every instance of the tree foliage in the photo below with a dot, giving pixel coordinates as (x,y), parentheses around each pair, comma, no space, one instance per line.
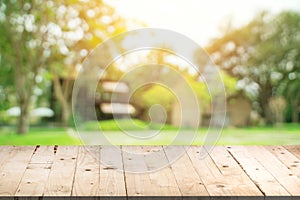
(53,36)
(264,55)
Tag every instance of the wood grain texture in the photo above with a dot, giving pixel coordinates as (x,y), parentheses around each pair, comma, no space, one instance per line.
(60,182)
(257,172)
(221,174)
(98,171)
(294,150)
(112,180)
(276,168)
(36,175)
(188,181)
(150,183)
(87,175)
(13,167)
(291,161)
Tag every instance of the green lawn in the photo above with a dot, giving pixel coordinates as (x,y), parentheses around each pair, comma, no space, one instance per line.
(287,134)
(38,136)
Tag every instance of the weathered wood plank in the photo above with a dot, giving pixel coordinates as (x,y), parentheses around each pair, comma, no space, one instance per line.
(158,183)
(188,181)
(276,168)
(294,149)
(234,171)
(219,180)
(112,180)
(35,177)
(61,177)
(287,158)
(43,155)
(87,175)
(5,152)
(13,168)
(257,172)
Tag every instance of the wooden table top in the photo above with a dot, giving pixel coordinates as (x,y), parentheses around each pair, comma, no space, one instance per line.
(74,171)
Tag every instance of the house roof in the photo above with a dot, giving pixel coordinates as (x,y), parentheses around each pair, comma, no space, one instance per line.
(117,108)
(110,86)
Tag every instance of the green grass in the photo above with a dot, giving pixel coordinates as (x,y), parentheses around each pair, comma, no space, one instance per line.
(37,136)
(227,137)
(124,124)
(287,134)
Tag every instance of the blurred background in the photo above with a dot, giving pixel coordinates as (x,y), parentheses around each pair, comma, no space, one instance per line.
(255,44)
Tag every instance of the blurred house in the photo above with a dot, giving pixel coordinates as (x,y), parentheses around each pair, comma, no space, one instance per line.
(112,100)
(238,111)
(186,118)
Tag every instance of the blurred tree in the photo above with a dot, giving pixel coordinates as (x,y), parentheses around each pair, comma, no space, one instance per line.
(23,52)
(164,68)
(83,26)
(6,85)
(290,90)
(262,55)
(55,36)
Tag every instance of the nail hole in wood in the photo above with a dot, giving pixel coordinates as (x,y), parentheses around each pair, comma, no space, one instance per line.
(62,159)
(88,170)
(225,166)
(55,148)
(220,186)
(109,167)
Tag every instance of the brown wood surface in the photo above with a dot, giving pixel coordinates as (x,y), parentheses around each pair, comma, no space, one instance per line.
(99,171)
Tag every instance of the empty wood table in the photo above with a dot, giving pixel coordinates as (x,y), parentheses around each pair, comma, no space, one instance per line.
(233,171)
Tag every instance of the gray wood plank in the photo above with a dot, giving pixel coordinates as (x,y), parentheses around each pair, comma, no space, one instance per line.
(87,175)
(276,168)
(151,183)
(13,168)
(257,172)
(218,180)
(112,180)
(60,181)
(188,181)
(36,175)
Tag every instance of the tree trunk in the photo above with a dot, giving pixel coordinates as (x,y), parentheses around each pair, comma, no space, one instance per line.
(23,125)
(62,98)
(24,99)
(66,113)
(295,116)
(269,118)
(295,112)
(264,99)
